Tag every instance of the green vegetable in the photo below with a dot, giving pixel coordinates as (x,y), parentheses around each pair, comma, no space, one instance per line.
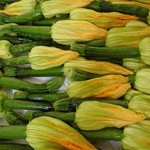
(111,52)
(25,105)
(14,118)
(22,19)
(7,104)
(52,97)
(15,39)
(106,6)
(28,72)
(13,83)
(13,146)
(47,22)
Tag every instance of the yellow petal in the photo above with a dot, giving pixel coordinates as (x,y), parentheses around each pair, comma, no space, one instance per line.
(94,115)
(109,86)
(137,136)
(54,7)
(19,8)
(96,67)
(71,31)
(43,57)
(101,19)
(46,133)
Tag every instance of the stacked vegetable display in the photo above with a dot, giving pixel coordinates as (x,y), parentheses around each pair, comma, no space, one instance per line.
(97,53)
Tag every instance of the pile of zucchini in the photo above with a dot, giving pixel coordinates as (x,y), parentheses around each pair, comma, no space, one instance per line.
(93,57)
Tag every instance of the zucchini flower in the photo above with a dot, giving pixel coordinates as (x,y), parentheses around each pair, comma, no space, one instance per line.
(140,103)
(19,8)
(137,136)
(144,48)
(142,80)
(101,19)
(43,57)
(131,93)
(95,67)
(94,115)
(45,133)
(71,31)
(126,36)
(134,64)
(4,49)
(54,7)
(109,86)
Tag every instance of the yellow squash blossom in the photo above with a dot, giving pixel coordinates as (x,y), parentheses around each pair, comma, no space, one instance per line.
(46,133)
(94,115)
(108,86)
(44,57)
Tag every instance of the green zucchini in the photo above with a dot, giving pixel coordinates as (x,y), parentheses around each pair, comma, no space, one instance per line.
(106,6)
(108,52)
(33,32)
(28,72)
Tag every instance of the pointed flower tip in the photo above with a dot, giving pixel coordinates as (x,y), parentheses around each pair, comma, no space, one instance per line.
(95,67)
(94,115)
(49,133)
(108,86)
(43,57)
(67,32)
(137,136)
(101,19)
(19,8)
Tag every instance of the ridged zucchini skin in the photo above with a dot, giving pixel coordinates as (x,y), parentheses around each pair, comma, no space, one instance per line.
(139,11)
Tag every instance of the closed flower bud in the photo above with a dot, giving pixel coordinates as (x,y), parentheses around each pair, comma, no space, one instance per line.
(131,93)
(135,24)
(100,19)
(144,48)
(46,133)
(67,32)
(137,136)
(4,49)
(94,115)
(126,36)
(95,67)
(54,7)
(134,64)
(140,103)
(43,57)
(109,86)
(19,8)
(142,80)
